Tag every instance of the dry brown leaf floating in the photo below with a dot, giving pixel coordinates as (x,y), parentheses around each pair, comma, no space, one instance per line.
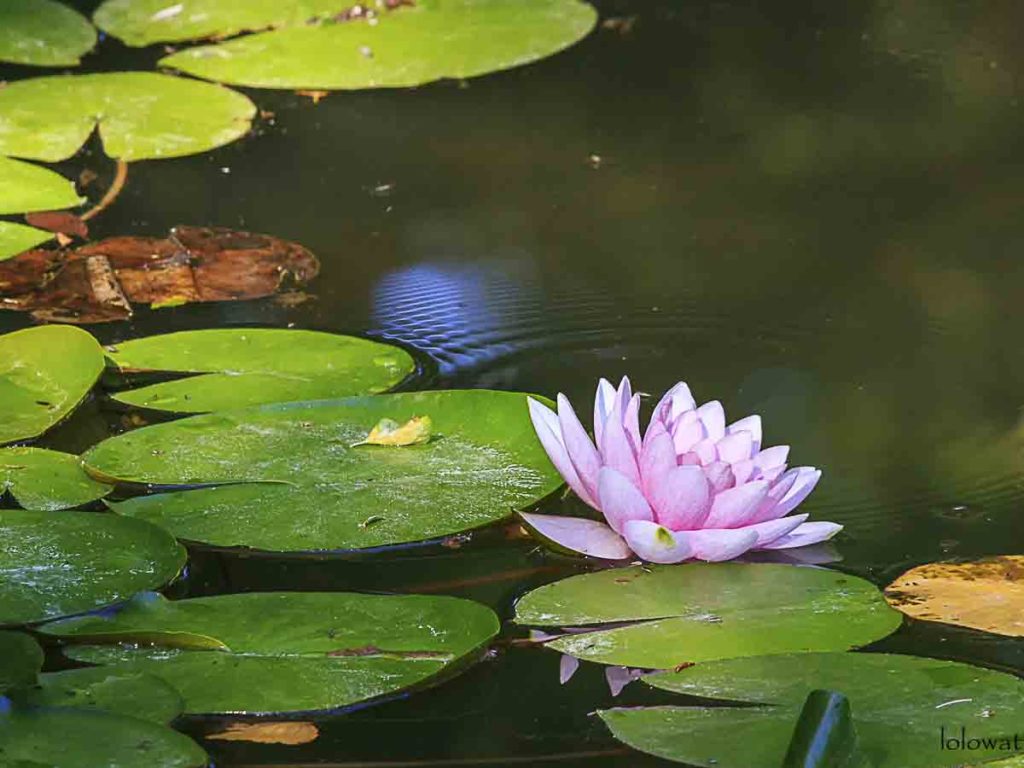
(982,594)
(269,733)
(389,432)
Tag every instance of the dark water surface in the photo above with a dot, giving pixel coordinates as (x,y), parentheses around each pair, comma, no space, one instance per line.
(808,210)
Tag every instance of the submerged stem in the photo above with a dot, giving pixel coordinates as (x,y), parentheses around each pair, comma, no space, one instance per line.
(120,177)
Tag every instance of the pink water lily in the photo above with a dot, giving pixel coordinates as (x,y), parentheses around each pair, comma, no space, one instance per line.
(691,488)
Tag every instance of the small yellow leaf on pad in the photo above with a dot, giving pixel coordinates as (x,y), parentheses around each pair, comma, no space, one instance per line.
(268,733)
(415,431)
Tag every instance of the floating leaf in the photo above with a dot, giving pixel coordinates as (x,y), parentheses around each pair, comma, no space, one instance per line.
(984,594)
(44,374)
(903,708)
(140,115)
(56,564)
(415,43)
(21,658)
(81,738)
(664,616)
(103,689)
(307,488)
(17,238)
(25,187)
(43,33)
(252,366)
(415,431)
(291,733)
(41,479)
(285,651)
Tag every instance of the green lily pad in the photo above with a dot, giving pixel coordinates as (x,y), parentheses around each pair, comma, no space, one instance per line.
(25,187)
(140,115)
(41,479)
(146,697)
(43,33)
(903,708)
(664,616)
(253,366)
(21,658)
(18,238)
(45,373)
(55,564)
(81,738)
(410,45)
(284,651)
(307,487)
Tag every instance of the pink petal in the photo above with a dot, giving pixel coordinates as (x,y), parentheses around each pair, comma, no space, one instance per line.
(588,537)
(603,403)
(706,450)
(682,499)
(673,404)
(770,506)
(771,457)
(655,543)
(743,471)
(713,417)
(771,530)
(582,453)
(751,424)
(734,507)
(807,478)
(738,446)
(808,533)
(687,432)
(549,432)
(773,474)
(619,677)
(723,544)
(567,667)
(720,475)
(657,457)
(620,499)
(616,449)
(631,423)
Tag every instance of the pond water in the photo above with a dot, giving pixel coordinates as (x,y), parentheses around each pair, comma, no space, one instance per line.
(809,211)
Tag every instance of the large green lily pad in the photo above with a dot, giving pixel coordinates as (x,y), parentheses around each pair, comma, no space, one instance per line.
(55,564)
(82,738)
(43,33)
(902,706)
(253,366)
(21,658)
(662,616)
(25,187)
(17,238)
(284,651)
(146,697)
(410,45)
(306,486)
(41,479)
(45,373)
(140,115)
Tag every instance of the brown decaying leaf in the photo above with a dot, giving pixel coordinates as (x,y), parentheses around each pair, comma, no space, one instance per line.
(983,594)
(268,733)
(61,222)
(99,281)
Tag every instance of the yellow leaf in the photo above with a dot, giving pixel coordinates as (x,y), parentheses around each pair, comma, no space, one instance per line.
(170,301)
(268,733)
(983,594)
(389,432)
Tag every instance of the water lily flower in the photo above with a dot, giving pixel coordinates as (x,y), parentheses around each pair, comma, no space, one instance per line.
(690,488)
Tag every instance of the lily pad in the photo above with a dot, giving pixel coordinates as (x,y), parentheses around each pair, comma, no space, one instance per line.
(304,486)
(903,708)
(55,564)
(81,738)
(17,238)
(284,651)
(140,115)
(45,373)
(253,366)
(25,187)
(662,616)
(43,33)
(984,594)
(21,658)
(47,480)
(412,44)
(103,689)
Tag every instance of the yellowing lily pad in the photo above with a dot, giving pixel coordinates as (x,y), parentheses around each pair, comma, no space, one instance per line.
(140,116)
(411,44)
(982,594)
(41,479)
(25,187)
(43,33)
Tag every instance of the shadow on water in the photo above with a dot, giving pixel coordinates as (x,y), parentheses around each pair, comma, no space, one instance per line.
(807,211)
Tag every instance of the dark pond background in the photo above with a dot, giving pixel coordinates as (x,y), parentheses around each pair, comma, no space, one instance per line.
(810,210)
